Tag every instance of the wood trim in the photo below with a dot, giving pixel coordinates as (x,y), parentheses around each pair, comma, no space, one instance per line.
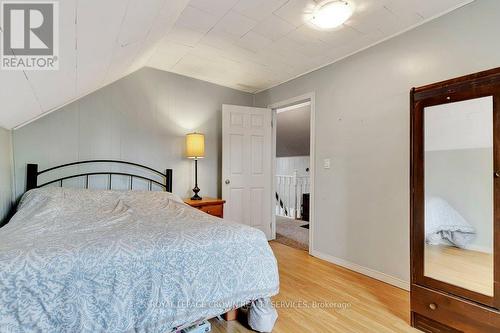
(428,325)
(459,84)
(453,311)
(413,258)
(311,96)
(496,202)
(204,202)
(467,87)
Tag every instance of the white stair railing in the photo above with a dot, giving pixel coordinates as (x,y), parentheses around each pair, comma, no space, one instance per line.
(289,189)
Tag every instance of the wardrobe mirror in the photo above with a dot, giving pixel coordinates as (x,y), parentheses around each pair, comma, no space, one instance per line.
(459,194)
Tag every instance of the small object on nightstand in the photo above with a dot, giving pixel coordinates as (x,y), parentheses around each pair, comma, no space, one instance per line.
(210,206)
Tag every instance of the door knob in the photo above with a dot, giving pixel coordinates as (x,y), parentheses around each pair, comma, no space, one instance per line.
(227,182)
(497,174)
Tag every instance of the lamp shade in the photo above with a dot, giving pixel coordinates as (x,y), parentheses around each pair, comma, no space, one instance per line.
(195,145)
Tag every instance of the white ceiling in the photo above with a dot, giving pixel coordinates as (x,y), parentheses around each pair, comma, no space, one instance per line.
(100,42)
(248,45)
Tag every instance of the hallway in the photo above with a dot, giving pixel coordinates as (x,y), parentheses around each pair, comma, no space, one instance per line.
(292,233)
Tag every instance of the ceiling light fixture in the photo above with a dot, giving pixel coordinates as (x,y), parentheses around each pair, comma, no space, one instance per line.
(331,14)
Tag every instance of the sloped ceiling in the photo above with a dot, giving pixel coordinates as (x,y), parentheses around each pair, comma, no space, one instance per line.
(248,45)
(101,41)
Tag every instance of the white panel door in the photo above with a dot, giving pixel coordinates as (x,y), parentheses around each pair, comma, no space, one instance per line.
(246,166)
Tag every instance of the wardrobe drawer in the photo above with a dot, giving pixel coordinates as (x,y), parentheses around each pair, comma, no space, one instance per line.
(450,314)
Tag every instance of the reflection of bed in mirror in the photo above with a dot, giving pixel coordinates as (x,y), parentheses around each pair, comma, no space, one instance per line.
(458,141)
(468,268)
(451,251)
(445,226)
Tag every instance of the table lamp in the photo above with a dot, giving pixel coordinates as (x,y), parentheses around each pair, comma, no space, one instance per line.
(195,148)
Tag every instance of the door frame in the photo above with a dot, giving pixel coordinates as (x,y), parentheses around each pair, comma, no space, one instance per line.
(311,96)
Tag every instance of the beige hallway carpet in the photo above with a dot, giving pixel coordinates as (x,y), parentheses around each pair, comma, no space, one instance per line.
(290,232)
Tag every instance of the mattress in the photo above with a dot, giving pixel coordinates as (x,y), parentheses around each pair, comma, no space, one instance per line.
(124,261)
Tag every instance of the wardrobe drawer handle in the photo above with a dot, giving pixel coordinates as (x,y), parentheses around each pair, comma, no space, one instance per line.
(433,306)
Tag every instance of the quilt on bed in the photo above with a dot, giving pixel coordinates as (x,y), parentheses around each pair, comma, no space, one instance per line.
(109,261)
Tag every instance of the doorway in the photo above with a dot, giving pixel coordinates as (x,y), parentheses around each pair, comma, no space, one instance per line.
(293,174)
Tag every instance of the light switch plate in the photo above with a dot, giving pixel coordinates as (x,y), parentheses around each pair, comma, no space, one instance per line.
(326,163)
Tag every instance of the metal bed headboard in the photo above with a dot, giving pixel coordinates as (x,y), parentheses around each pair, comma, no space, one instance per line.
(32,174)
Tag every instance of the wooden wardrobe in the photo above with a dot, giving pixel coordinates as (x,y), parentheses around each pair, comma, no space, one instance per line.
(455,204)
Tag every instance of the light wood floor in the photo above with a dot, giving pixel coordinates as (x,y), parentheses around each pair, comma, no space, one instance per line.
(472,270)
(369,305)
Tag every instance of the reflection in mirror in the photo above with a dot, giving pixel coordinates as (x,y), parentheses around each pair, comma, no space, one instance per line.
(459,194)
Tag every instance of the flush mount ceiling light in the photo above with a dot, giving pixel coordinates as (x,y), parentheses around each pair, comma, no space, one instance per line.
(331,14)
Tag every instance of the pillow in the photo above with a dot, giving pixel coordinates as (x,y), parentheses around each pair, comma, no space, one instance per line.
(93,199)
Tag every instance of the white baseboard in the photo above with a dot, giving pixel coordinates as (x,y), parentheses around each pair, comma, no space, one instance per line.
(363,270)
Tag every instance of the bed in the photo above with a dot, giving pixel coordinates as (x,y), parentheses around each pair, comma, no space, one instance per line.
(83,260)
(445,226)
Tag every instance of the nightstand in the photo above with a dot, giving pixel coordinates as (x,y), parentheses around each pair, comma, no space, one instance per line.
(210,206)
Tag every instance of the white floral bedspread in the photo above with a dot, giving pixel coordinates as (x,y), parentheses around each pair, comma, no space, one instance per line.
(109,261)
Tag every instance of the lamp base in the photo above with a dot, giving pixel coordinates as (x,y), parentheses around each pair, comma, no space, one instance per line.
(196,196)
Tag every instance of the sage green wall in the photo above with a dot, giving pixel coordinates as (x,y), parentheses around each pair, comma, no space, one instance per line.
(362,125)
(141,118)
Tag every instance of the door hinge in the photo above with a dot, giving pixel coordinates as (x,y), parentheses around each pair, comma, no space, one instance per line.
(272,123)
